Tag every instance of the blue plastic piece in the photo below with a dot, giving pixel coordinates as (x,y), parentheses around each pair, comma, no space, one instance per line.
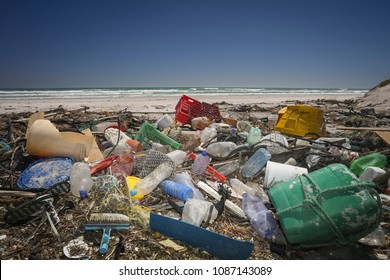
(177,190)
(221,246)
(45,173)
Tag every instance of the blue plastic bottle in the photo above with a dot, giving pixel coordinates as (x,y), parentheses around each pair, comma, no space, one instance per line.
(255,163)
(259,216)
(177,190)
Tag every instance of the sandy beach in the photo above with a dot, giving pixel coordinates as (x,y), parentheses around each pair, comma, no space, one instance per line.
(157,104)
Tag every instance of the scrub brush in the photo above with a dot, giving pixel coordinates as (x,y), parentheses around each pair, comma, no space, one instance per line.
(107,222)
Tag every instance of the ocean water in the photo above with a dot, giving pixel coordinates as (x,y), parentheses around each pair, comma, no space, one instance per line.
(191,91)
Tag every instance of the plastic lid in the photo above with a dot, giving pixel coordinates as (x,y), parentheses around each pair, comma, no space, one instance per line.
(83,193)
(133,192)
(204,153)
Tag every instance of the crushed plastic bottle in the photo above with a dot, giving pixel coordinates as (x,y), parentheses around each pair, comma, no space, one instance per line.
(151,181)
(178,156)
(200,164)
(255,163)
(221,149)
(196,211)
(259,216)
(228,168)
(208,134)
(313,158)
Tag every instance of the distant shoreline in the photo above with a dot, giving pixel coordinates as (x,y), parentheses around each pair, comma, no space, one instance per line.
(156,103)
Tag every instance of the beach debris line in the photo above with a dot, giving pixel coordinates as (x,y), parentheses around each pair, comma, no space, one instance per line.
(267,187)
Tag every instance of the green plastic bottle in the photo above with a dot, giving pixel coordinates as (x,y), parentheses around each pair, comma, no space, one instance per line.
(360,164)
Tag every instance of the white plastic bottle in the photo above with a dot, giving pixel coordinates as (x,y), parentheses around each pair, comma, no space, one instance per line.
(221,149)
(200,163)
(80,179)
(254,136)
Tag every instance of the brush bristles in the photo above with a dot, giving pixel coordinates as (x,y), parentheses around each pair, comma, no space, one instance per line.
(109,217)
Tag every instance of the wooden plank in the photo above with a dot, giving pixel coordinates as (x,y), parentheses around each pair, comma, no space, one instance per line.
(363,128)
(384,135)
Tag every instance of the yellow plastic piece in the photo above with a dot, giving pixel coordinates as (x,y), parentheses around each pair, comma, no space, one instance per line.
(301,120)
(130,182)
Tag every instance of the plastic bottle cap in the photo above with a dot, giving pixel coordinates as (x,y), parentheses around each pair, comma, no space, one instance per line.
(83,193)
(204,153)
(133,192)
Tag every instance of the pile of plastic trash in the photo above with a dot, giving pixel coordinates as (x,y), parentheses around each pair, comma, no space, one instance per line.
(303,192)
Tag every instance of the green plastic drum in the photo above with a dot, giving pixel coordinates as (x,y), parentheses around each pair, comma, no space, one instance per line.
(328,206)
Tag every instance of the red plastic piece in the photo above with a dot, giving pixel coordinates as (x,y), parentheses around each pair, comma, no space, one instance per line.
(103,164)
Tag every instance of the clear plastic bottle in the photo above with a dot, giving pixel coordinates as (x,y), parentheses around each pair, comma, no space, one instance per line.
(185,179)
(259,216)
(228,168)
(254,136)
(240,188)
(176,190)
(200,163)
(196,211)
(80,179)
(208,134)
(255,163)
(178,156)
(221,149)
(151,181)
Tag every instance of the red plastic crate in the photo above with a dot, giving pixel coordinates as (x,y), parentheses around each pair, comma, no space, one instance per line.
(188,108)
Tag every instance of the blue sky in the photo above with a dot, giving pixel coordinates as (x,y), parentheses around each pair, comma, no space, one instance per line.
(166,43)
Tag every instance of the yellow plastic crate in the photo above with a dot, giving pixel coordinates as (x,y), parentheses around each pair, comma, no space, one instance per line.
(301,120)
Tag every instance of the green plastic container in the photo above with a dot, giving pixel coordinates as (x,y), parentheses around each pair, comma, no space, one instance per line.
(360,164)
(148,132)
(328,206)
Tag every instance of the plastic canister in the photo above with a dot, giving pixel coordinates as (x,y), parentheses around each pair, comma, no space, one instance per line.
(80,179)
(164,122)
(254,135)
(329,205)
(360,164)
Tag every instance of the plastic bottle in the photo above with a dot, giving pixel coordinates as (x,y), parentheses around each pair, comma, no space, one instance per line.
(112,134)
(196,211)
(80,179)
(254,136)
(259,216)
(178,156)
(374,159)
(228,168)
(260,193)
(208,134)
(185,179)
(200,163)
(375,238)
(221,149)
(240,188)
(255,163)
(177,190)
(151,181)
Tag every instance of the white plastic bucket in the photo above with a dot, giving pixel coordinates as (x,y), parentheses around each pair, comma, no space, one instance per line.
(278,172)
